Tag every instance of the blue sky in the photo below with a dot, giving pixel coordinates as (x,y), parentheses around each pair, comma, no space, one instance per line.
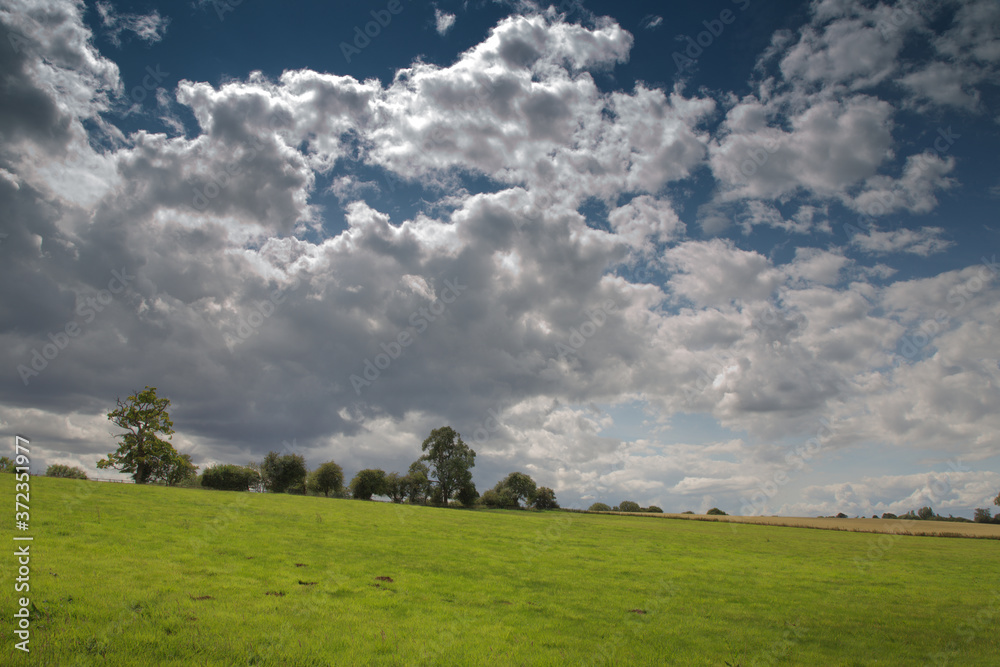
(734,254)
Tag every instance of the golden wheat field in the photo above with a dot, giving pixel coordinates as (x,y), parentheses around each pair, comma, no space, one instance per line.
(889,526)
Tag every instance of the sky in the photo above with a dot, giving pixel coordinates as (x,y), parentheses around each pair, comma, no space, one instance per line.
(726,254)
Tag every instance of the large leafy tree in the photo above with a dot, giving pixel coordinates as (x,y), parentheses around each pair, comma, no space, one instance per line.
(418,484)
(179,470)
(283,472)
(451,461)
(141,451)
(545,499)
(367,483)
(326,478)
(519,485)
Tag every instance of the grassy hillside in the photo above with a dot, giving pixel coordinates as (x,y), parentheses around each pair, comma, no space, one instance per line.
(126,575)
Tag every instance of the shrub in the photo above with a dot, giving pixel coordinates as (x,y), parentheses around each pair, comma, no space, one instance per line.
(489,498)
(545,499)
(654,509)
(228,477)
(629,506)
(59,470)
(687,512)
(715,511)
(599,507)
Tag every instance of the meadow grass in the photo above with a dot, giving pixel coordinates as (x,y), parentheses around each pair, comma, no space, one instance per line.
(134,575)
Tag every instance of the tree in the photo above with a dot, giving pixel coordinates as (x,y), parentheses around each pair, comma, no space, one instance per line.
(599,507)
(59,470)
(489,498)
(520,486)
(982,515)
(450,459)
(629,506)
(418,482)
(545,499)
(925,513)
(367,483)
(996,501)
(467,495)
(654,509)
(179,470)
(715,511)
(141,452)
(228,477)
(281,473)
(396,487)
(6,465)
(326,478)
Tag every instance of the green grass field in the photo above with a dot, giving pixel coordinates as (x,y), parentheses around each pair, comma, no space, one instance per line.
(127,575)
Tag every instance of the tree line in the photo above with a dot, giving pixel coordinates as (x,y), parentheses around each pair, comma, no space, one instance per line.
(440,475)
(443,472)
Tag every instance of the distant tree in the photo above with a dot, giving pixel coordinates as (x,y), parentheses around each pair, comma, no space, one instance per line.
(520,486)
(451,461)
(545,499)
(654,509)
(889,515)
(418,483)
(629,506)
(687,512)
(6,465)
(715,511)
(982,516)
(326,478)
(925,513)
(996,501)
(467,495)
(141,452)
(180,470)
(227,477)
(367,483)
(283,472)
(396,487)
(840,515)
(59,470)
(489,498)
(599,507)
